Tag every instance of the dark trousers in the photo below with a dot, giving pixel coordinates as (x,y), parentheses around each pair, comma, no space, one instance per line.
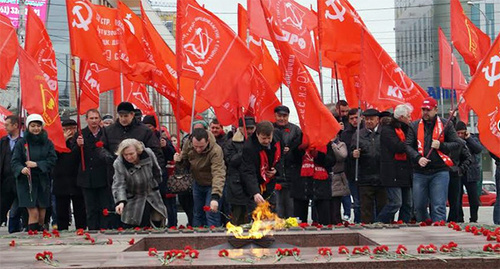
(239,214)
(322,207)
(371,197)
(97,199)
(454,194)
(7,198)
(335,215)
(64,214)
(474,201)
(170,204)
(187,203)
(301,209)
(18,218)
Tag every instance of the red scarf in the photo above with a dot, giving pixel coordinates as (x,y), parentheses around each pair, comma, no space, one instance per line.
(402,137)
(310,169)
(438,128)
(264,164)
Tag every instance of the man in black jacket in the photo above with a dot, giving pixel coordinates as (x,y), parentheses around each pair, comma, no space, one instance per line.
(261,155)
(291,138)
(371,193)
(8,191)
(429,141)
(238,195)
(94,179)
(471,174)
(64,185)
(395,166)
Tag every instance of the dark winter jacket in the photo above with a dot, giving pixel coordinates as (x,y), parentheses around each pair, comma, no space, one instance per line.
(237,190)
(96,169)
(116,133)
(350,163)
(369,160)
(437,164)
(290,136)
(473,172)
(66,172)
(461,158)
(394,173)
(306,188)
(7,180)
(250,165)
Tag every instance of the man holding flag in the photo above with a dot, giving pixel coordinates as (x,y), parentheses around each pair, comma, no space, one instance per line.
(429,141)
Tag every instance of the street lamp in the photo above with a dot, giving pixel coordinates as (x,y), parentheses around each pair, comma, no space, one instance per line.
(488,21)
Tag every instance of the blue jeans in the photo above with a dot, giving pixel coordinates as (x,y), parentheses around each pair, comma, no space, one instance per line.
(355,198)
(170,204)
(398,199)
(202,196)
(431,189)
(496,208)
(347,204)
(15,221)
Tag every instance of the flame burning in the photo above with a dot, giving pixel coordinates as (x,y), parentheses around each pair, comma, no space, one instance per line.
(264,221)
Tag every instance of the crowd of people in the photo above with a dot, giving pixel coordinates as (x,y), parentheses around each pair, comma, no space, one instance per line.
(381,167)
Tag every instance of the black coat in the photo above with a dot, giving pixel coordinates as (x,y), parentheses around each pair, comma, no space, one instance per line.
(238,192)
(250,165)
(461,157)
(394,173)
(350,163)
(369,160)
(7,179)
(473,172)
(451,141)
(96,169)
(66,171)
(290,136)
(306,188)
(116,133)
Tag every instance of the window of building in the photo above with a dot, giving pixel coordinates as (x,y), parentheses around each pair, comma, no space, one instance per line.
(490,24)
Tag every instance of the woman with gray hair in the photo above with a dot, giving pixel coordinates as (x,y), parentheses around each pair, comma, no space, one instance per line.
(135,185)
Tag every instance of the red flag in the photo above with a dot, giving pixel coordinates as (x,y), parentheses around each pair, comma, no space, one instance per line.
(469,40)
(263,99)
(483,96)
(38,98)
(8,50)
(340,31)
(209,51)
(317,122)
(4,113)
(137,94)
(295,22)
(459,83)
(94,80)
(384,83)
(263,59)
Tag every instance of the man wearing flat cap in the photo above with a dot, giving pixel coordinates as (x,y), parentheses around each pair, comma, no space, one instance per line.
(127,126)
(291,138)
(428,145)
(371,192)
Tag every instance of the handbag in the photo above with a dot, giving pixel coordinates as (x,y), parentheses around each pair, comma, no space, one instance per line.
(180,181)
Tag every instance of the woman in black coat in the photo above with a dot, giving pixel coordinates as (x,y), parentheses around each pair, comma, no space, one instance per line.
(32,161)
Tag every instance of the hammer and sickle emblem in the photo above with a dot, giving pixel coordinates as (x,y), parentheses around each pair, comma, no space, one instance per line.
(83,23)
(491,75)
(339,11)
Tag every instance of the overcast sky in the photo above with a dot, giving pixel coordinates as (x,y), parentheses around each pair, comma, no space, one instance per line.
(377,15)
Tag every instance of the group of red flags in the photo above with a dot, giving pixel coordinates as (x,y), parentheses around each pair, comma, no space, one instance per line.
(234,73)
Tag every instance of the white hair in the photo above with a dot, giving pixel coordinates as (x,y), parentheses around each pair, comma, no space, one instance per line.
(130,142)
(402,110)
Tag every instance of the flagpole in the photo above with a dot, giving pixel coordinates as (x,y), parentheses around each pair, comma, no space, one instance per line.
(356,175)
(177,115)
(281,93)
(20,36)
(320,61)
(337,81)
(331,88)
(192,110)
(442,101)
(451,88)
(121,86)
(77,98)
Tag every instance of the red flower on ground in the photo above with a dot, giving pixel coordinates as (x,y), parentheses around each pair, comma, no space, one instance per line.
(56,233)
(488,247)
(278,187)
(182,227)
(173,228)
(92,241)
(152,252)
(39,257)
(206,208)
(296,251)
(46,234)
(343,250)
(105,212)
(401,249)
(99,144)
(12,243)
(80,232)
(137,228)
(193,253)
(131,241)
(48,255)
(212,227)
(467,228)
(167,254)
(120,229)
(304,224)
(444,248)
(110,241)
(223,253)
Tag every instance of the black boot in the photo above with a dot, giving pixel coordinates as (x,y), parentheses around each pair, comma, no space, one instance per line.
(33,227)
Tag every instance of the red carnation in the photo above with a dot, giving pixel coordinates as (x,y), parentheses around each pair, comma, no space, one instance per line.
(39,257)
(206,208)
(110,241)
(80,232)
(12,243)
(152,252)
(193,253)
(401,249)
(278,187)
(56,233)
(488,247)
(48,255)
(343,250)
(92,241)
(167,254)
(131,242)
(99,144)
(105,212)
(223,253)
